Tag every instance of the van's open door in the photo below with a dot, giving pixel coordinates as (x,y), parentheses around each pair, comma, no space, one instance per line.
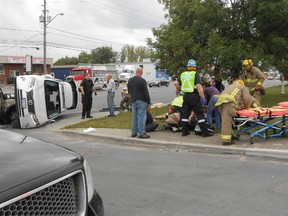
(74,94)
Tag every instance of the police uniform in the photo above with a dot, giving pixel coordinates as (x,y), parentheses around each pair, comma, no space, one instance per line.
(232,98)
(87,85)
(252,78)
(192,102)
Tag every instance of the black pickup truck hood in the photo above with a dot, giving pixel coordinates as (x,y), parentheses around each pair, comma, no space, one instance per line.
(23,159)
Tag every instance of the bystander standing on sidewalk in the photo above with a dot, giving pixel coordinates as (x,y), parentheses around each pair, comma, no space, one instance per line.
(111,86)
(87,88)
(140,98)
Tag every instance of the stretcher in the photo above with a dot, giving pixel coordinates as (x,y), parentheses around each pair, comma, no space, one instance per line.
(262,122)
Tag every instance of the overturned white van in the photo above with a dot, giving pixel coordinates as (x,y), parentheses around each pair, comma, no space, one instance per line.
(41,99)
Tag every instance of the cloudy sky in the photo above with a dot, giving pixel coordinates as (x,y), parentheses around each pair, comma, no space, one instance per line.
(86,24)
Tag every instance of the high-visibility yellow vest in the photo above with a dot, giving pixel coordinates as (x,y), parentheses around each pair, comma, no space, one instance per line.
(178,101)
(188,81)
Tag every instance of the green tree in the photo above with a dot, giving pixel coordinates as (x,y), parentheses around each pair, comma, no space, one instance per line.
(133,54)
(219,34)
(67,61)
(103,55)
(85,57)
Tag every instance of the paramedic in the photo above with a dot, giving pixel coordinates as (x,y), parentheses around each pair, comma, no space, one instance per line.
(232,98)
(178,102)
(190,84)
(253,79)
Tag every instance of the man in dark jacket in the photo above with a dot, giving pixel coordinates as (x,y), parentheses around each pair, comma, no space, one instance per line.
(140,98)
(87,88)
(150,124)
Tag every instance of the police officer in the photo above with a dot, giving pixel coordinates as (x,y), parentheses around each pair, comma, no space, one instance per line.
(190,84)
(87,88)
(232,98)
(253,78)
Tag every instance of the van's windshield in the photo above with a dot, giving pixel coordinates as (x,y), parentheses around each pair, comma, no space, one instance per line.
(52,98)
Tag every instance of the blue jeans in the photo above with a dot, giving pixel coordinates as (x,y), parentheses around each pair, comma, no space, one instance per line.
(110,101)
(210,108)
(139,117)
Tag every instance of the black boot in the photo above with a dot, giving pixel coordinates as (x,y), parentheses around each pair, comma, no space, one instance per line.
(185,130)
(205,130)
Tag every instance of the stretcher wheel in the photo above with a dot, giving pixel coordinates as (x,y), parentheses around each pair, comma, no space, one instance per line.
(251,140)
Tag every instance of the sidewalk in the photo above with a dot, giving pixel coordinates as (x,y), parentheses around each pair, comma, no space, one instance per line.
(168,140)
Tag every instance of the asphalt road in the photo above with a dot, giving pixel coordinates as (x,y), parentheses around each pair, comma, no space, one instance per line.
(137,182)
(157,94)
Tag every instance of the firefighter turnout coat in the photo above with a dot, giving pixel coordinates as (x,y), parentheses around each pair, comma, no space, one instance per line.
(252,78)
(235,96)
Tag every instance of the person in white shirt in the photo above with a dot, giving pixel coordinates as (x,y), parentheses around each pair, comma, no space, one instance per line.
(111,86)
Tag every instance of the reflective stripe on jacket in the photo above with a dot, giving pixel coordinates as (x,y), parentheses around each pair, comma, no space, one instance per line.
(238,95)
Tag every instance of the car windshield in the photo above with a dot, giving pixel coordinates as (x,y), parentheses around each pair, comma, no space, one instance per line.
(77,72)
(52,98)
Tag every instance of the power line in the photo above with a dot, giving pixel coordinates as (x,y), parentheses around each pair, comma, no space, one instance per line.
(17,44)
(83,39)
(135,16)
(84,36)
(133,9)
(16,29)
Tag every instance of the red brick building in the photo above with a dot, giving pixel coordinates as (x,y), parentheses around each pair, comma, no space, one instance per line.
(12,66)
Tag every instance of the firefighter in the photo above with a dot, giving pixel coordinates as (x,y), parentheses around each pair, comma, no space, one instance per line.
(253,78)
(235,96)
(190,84)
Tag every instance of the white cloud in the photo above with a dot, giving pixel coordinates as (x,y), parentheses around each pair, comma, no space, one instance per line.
(124,22)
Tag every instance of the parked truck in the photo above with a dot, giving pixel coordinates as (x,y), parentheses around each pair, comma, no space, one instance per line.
(77,74)
(125,75)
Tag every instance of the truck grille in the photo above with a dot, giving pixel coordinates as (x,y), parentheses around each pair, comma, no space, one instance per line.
(61,198)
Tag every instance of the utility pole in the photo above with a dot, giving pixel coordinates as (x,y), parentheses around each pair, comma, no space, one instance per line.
(44,38)
(46,20)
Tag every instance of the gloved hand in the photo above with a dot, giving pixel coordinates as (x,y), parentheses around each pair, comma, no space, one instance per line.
(95,93)
(203,101)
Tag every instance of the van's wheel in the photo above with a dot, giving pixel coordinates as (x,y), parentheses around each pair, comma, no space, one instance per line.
(159,85)
(13,119)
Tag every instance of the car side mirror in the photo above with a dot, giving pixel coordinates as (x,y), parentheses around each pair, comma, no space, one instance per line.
(7,96)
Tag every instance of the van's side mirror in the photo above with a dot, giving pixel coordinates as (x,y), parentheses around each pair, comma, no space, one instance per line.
(7,96)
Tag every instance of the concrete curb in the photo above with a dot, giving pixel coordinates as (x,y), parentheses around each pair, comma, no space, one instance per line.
(166,145)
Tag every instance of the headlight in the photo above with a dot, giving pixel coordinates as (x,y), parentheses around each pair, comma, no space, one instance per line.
(89,180)
(35,119)
(32,82)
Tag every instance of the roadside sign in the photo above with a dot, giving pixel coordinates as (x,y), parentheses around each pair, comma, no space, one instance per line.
(28,64)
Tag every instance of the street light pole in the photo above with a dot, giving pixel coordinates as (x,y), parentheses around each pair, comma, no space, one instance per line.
(46,20)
